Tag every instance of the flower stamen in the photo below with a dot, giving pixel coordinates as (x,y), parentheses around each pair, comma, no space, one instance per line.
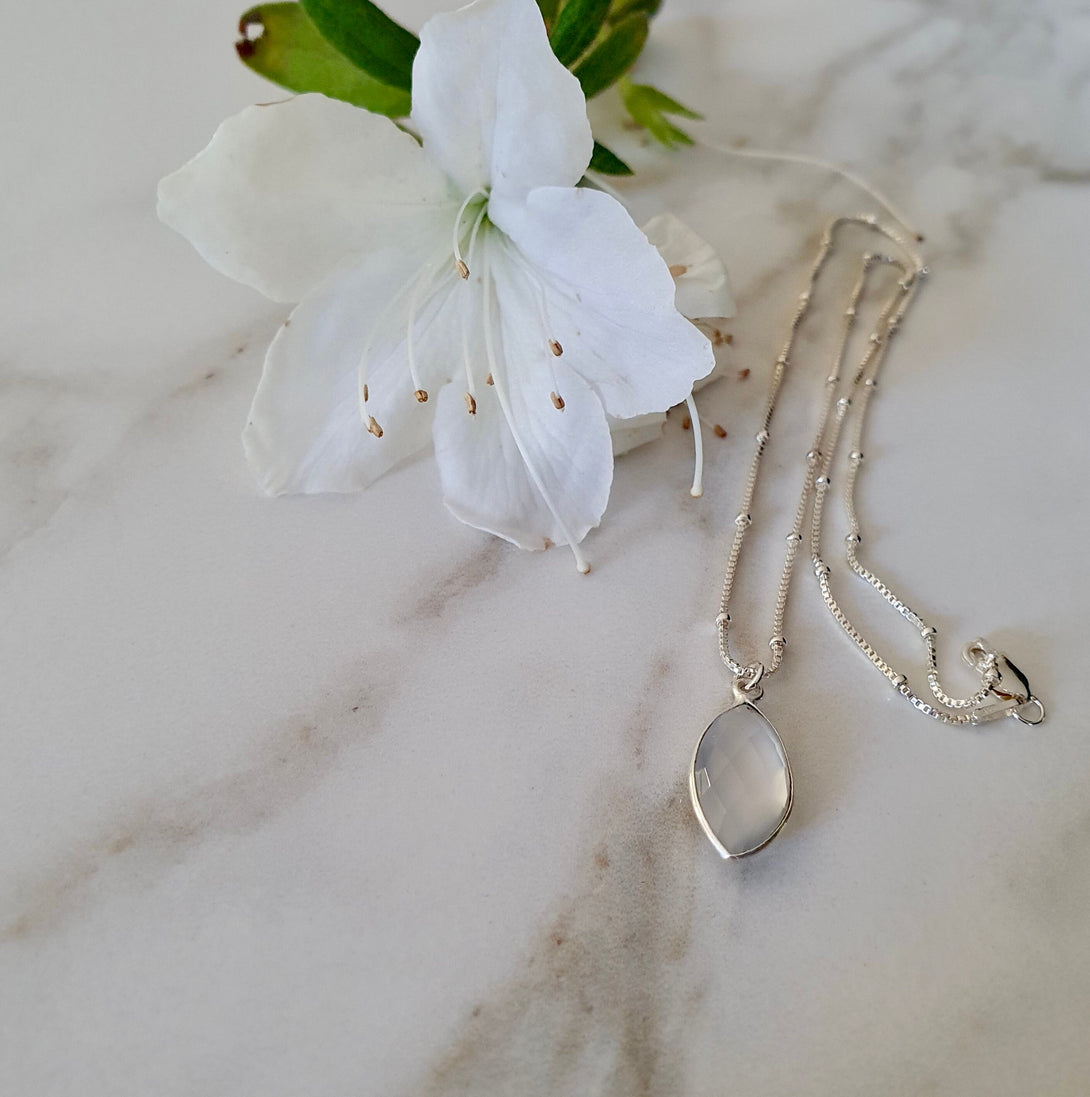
(490,350)
(537,291)
(541,300)
(471,404)
(413,285)
(414,308)
(460,265)
(471,387)
(373,427)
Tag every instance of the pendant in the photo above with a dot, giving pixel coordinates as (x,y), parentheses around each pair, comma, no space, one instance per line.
(740,780)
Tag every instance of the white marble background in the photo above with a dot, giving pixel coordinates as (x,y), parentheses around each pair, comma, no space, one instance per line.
(339,797)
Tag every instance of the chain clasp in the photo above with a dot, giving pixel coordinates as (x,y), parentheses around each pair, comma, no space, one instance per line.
(1010,686)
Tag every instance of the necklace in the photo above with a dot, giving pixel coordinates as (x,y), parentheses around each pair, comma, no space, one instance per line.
(740,781)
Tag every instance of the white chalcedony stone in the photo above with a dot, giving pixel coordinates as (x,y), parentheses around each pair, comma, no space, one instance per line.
(741,781)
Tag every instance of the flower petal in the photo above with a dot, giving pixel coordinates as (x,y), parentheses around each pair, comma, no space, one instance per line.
(307,431)
(630,434)
(493,104)
(523,467)
(486,474)
(702,288)
(609,300)
(284,192)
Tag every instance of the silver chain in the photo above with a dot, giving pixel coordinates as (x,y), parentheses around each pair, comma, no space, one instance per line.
(816,483)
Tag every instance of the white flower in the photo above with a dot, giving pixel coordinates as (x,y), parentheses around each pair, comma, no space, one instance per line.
(701,283)
(702,293)
(463,288)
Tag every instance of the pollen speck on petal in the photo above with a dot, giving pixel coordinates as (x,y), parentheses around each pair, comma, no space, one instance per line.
(678,269)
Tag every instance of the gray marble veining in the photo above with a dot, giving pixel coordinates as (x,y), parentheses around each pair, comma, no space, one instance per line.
(338,796)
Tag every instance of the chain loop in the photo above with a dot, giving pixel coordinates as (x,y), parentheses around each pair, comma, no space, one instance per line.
(817,481)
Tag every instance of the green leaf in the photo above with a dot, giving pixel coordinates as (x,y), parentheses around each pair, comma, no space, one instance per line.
(576,27)
(649,107)
(661,102)
(607,162)
(280,43)
(368,37)
(614,56)
(621,9)
(549,8)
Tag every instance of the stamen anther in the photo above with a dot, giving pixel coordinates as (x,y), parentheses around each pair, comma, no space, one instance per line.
(421,396)
(558,401)
(678,269)
(460,264)
(366,394)
(556,348)
(512,422)
(373,427)
(471,404)
(488,380)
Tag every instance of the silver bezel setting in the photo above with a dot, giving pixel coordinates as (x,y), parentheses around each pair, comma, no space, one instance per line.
(723,852)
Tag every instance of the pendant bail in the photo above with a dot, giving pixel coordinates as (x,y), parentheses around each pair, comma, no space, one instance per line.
(747,686)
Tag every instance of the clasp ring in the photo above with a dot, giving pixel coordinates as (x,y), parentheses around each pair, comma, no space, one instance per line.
(1036,705)
(1009,684)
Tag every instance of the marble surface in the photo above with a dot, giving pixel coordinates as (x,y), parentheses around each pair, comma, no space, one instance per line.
(339,797)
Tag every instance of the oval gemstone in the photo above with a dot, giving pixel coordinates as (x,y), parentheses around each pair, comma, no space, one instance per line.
(741,781)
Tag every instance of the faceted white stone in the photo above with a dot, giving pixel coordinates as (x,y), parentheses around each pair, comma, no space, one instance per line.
(741,782)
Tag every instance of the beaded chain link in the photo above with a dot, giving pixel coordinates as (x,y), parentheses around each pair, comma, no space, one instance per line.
(834,412)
